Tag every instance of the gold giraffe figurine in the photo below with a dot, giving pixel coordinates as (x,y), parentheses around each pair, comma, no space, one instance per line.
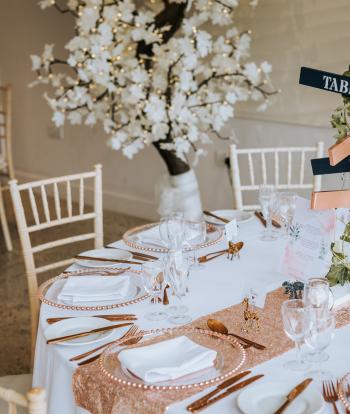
(233,249)
(251,317)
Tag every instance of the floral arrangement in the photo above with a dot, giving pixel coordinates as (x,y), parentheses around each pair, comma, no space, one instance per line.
(339,118)
(162,72)
(339,271)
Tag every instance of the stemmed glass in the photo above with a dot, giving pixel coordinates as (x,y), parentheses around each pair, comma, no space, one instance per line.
(267,198)
(177,271)
(171,231)
(318,295)
(319,338)
(153,281)
(287,206)
(296,325)
(195,232)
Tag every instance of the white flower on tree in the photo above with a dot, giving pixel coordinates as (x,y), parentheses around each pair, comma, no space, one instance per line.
(161,72)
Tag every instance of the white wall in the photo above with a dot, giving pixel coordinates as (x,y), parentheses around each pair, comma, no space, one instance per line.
(128,185)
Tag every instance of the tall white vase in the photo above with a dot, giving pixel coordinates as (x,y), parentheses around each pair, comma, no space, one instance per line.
(179,193)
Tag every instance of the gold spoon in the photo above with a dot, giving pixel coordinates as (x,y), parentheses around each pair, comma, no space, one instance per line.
(217,326)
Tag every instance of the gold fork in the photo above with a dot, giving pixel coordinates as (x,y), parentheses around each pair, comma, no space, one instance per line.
(330,394)
(211,256)
(130,341)
(131,331)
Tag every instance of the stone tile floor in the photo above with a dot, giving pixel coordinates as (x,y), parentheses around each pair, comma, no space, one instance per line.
(14,306)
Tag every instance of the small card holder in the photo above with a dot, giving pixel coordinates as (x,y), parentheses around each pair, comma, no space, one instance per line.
(231,230)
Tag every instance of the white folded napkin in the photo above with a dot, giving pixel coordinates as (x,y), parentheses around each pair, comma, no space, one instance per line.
(167,360)
(151,237)
(79,289)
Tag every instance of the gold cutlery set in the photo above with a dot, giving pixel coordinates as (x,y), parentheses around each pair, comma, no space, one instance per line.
(230,386)
(233,250)
(135,255)
(86,333)
(330,394)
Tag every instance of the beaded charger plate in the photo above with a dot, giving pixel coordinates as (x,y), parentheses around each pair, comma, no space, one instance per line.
(344,391)
(230,356)
(48,292)
(133,238)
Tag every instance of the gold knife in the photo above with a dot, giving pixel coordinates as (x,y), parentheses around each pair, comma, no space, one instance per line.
(120,317)
(208,213)
(100,259)
(229,391)
(78,335)
(293,394)
(219,388)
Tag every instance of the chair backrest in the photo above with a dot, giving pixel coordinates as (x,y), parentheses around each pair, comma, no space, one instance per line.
(38,190)
(6,162)
(294,180)
(34,401)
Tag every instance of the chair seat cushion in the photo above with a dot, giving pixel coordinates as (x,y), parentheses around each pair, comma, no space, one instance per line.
(19,383)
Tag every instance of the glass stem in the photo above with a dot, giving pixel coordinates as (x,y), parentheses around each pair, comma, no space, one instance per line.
(298,345)
(268,224)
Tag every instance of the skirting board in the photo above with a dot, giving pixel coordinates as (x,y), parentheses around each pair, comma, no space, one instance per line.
(112,200)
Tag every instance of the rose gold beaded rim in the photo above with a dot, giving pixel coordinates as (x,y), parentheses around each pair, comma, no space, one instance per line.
(341,395)
(42,289)
(123,382)
(139,229)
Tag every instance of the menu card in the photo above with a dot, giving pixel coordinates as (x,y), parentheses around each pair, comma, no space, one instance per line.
(308,250)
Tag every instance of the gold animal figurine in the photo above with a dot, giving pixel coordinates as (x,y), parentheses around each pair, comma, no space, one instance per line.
(251,317)
(233,250)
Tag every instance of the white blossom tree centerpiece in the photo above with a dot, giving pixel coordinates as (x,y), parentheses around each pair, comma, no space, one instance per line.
(166,73)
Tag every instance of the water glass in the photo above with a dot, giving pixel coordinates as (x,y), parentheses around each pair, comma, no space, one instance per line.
(267,198)
(195,233)
(287,206)
(177,274)
(296,325)
(320,335)
(171,231)
(318,295)
(153,281)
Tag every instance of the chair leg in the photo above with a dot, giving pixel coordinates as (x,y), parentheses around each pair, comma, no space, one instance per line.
(4,225)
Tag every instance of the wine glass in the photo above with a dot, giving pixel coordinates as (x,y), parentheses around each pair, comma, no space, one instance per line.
(319,337)
(153,281)
(171,231)
(287,206)
(296,325)
(267,198)
(177,271)
(195,232)
(318,295)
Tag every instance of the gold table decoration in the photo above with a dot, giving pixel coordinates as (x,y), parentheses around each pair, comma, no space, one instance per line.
(45,287)
(97,395)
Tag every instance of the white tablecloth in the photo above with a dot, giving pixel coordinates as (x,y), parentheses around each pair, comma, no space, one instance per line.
(220,284)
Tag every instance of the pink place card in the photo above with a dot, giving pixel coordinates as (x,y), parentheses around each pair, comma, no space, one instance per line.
(307,253)
(339,151)
(324,200)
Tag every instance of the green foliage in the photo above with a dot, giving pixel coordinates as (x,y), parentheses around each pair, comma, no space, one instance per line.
(339,272)
(339,118)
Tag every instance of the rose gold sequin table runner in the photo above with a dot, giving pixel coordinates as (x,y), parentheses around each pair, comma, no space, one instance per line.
(94,392)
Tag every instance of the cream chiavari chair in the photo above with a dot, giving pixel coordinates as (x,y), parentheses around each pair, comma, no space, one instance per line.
(48,219)
(6,162)
(295,180)
(34,401)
